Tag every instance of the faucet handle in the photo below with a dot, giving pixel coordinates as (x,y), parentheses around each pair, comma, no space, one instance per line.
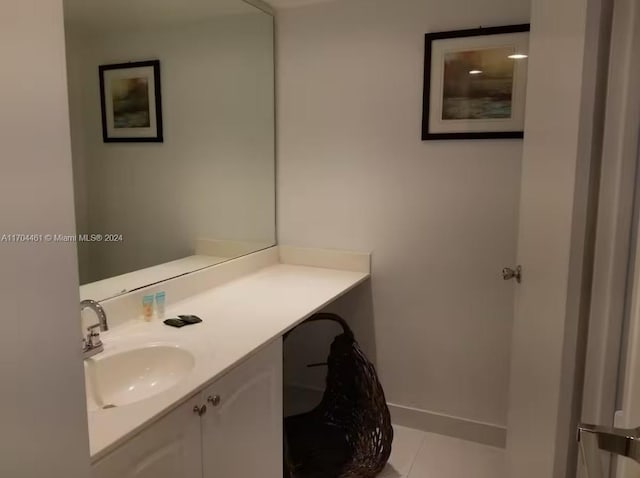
(93,336)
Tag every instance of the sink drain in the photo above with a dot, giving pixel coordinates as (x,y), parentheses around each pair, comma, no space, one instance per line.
(106,407)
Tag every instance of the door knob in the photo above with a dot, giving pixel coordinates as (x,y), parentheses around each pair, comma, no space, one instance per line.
(214,400)
(508,273)
(200,410)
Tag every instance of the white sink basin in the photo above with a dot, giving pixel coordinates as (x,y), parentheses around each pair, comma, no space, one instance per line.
(129,377)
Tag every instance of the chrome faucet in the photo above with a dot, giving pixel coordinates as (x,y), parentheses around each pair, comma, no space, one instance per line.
(92,344)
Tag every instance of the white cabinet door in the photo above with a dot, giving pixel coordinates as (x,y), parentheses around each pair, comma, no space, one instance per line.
(242,429)
(170,448)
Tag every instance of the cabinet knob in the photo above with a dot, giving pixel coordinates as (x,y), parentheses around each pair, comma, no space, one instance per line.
(214,400)
(200,410)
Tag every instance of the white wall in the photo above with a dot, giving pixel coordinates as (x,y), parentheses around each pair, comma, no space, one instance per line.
(43,423)
(440,217)
(214,175)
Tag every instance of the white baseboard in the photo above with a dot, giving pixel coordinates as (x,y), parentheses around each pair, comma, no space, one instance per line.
(485,433)
(424,420)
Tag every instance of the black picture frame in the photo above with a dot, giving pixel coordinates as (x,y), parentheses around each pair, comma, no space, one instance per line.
(158,136)
(430,38)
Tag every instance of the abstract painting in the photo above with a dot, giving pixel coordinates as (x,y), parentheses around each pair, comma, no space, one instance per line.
(475,83)
(131,102)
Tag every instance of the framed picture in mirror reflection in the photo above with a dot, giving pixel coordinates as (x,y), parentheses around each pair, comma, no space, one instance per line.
(131,102)
(475,83)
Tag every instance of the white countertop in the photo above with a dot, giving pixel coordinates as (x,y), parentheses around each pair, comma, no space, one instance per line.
(240,317)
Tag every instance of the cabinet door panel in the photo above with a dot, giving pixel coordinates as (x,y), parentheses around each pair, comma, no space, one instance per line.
(170,448)
(242,435)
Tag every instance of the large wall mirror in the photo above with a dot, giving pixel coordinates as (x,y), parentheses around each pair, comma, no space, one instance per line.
(172,125)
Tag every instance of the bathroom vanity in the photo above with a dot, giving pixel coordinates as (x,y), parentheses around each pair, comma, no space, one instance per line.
(208,399)
(173,143)
(238,415)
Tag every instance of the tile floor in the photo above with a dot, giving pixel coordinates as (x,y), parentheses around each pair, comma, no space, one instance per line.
(417,454)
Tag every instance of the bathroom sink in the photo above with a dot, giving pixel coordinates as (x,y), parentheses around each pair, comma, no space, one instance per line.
(134,375)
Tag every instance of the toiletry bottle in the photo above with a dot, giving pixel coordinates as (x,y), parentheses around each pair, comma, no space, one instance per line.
(160,304)
(147,307)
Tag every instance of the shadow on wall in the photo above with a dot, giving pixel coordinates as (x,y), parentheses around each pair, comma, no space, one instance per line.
(310,344)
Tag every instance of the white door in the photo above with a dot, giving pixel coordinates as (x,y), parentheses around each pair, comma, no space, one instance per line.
(555,222)
(612,379)
(599,443)
(242,429)
(170,448)
(629,416)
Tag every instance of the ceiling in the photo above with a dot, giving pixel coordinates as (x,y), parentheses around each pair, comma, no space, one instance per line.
(293,3)
(126,14)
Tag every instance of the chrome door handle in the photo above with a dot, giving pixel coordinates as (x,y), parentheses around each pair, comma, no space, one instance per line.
(618,441)
(508,273)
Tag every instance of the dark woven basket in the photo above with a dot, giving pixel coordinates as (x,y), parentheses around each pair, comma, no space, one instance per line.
(349,435)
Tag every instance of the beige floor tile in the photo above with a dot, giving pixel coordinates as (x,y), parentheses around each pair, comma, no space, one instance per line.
(446,457)
(406,444)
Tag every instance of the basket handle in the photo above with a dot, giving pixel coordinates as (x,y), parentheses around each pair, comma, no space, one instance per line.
(328,317)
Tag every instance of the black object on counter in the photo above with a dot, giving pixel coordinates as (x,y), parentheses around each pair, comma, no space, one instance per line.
(183,320)
(190,319)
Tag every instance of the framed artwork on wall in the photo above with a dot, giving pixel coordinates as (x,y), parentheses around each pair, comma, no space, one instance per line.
(475,83)
(131,101)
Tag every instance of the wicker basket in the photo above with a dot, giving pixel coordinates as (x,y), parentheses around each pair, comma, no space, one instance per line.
(349,435)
